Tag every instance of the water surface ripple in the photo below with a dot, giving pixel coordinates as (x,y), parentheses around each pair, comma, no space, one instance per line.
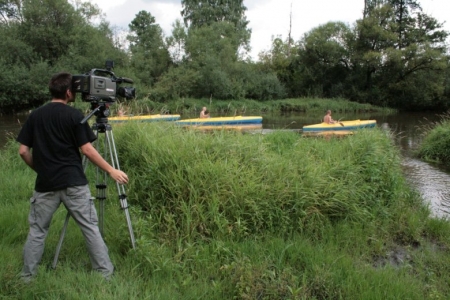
(431,183)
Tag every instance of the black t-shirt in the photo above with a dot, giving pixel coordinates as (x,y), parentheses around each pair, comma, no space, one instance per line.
(54,133)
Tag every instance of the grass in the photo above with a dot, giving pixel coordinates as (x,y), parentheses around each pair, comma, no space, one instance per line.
(434,147)
(226,215)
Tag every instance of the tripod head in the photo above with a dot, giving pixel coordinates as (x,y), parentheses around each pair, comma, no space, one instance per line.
(101,110)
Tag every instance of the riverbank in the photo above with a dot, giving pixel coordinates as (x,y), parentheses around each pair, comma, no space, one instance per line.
(228,215)
(238,107)
(190,108)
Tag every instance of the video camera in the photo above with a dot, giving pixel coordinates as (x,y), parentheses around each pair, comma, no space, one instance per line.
(101,85)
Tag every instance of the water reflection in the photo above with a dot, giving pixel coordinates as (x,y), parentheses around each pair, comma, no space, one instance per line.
(432,183)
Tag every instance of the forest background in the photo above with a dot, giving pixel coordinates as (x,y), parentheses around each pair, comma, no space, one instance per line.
(395,55)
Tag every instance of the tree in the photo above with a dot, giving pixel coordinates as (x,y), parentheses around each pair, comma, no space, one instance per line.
(88,11)
(403,10)
(48,26)
(212,54)
(177,42)
(370,5)
(277,60)
(323,62)
(374,35)
(10,11)
(198,13)
(398,51)
(43,37)
(150,56)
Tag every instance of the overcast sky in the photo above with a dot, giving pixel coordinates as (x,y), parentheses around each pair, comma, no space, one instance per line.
(267,18)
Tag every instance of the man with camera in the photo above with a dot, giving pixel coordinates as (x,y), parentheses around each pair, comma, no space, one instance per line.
(50,143)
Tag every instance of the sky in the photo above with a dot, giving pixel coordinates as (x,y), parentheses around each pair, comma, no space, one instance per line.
(267,18)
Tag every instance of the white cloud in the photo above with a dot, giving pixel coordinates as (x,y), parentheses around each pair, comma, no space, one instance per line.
(267,18)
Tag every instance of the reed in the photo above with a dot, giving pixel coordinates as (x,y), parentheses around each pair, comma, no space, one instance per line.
(224,185)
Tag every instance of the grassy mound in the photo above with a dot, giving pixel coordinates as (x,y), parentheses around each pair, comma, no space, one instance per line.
(231,185)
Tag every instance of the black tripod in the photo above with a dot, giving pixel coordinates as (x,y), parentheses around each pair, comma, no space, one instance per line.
(101,111)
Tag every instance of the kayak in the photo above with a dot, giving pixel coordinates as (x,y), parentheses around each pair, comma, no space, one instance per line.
(336,133)
(241,127)
(219,121)
(145,118)
(340,126)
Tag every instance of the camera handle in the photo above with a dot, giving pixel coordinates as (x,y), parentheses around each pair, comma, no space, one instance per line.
(109,148)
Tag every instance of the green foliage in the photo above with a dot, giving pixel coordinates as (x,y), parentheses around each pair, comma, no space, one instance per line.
(43,38)
(175,83)
(214,70)
(47,27)
(434,147)
(395,56)
(324,60)
(150,57)
(176,42)
(198,14)
(407,46)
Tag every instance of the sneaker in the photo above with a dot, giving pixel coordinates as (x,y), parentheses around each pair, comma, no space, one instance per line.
(27,279)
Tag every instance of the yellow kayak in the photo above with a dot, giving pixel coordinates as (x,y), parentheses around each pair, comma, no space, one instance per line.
(340,126)
(243,127)
(145,118)
(330,133)
(219,121)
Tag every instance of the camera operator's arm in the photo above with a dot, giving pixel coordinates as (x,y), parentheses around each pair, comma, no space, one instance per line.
(93,155)
(25,154)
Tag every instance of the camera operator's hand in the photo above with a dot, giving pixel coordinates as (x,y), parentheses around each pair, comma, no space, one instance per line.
(93,155)
(119,176)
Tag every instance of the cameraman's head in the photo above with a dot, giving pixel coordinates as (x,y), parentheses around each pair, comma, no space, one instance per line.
(60,87)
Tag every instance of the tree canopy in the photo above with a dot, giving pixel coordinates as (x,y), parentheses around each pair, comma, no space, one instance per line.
(394,55)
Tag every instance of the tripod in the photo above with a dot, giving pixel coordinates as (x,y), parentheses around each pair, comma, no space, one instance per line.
(109,148)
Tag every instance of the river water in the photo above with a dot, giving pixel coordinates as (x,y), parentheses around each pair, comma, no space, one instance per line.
(431,181)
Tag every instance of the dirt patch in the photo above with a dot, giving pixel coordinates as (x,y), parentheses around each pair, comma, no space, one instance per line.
(395,258)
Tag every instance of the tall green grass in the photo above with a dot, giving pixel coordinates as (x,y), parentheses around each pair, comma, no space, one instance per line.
(223,185)
(435,145)
(226,215)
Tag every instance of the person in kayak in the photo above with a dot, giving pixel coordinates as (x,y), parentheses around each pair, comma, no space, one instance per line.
(204,113)
(328,119)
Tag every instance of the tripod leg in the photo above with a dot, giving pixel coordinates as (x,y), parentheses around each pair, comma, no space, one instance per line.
(101,189)
(61,238)
(120,188)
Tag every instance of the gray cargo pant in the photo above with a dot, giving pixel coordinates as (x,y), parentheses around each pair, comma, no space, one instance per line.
(78,202)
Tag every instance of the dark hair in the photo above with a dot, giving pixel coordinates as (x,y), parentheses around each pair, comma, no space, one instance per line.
(59,84)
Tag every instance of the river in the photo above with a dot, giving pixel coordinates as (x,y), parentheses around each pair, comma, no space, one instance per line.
(431,181)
